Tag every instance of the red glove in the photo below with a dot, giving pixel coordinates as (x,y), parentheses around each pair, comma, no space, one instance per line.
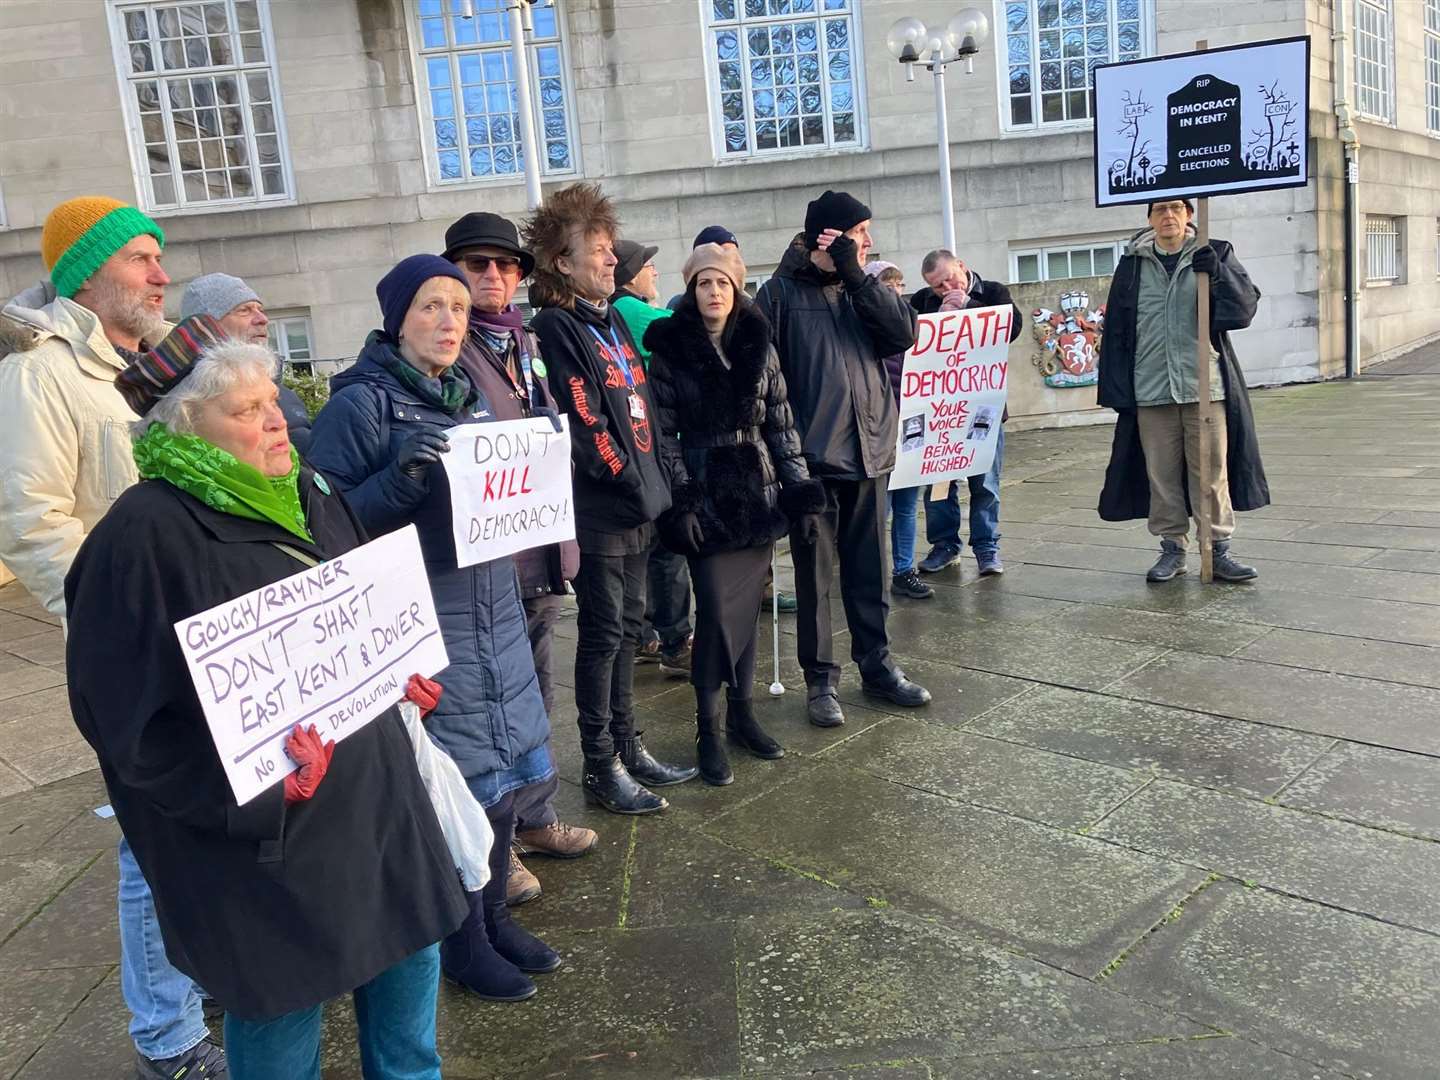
(313,756)
(424,692)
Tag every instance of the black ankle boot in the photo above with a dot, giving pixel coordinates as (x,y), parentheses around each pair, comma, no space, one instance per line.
(640,764)
(741,725)
(467,957)
(710,751)
(606,782)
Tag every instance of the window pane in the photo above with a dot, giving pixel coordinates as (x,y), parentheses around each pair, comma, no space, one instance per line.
(1080,263)
(1104,260)
(1057,265)
(1027,268)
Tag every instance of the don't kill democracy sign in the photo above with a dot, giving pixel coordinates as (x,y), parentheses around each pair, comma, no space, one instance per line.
(1222,121)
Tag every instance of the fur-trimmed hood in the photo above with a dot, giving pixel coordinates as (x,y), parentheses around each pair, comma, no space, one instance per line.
(25,321)
(683,342)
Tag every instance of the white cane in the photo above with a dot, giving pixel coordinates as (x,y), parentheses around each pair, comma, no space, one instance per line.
(777,687)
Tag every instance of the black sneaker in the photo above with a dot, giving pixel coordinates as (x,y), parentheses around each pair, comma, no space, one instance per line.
(203,1061)
(941,556)
(909,584)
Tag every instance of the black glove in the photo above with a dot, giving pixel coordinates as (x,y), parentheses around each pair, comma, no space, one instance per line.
(846,255)
(688,533)
(807,528)
(1205,261)
(420,451)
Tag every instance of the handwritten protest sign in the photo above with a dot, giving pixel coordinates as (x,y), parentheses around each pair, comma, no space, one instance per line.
(509,487)
(331,646)
(952,396)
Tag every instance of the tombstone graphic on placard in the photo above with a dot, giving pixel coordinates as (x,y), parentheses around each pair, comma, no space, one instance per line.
(1202,132)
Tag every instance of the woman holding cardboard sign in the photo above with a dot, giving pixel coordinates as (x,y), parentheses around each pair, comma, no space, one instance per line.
(380,438)
(737,476)
(315,887)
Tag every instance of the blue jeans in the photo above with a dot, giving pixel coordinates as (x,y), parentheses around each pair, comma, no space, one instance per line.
(395,1012)
(942,516)
(166,1017)
(667,599)
(904,504)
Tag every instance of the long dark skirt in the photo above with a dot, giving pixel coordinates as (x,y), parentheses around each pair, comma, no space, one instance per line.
(729,588)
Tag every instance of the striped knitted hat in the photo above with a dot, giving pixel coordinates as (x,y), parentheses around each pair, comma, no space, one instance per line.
(158,371)
(80,234)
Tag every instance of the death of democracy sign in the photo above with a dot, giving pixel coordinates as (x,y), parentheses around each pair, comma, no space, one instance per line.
(1221,121)
(509,487)
(952,395)
(331,646)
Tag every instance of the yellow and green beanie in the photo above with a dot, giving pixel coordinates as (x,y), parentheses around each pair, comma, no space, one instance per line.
(80,234)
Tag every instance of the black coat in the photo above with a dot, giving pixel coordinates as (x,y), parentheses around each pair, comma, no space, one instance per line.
(619,481)
(832,342)
(727,435)
(271,908)
(1233,301)
(297,419)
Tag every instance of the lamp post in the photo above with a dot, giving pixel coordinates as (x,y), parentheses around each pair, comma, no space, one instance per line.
(518,12)
(911,42)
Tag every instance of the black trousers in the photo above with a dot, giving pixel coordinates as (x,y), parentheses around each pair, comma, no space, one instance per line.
(534,803)
(853,526)
(610,595)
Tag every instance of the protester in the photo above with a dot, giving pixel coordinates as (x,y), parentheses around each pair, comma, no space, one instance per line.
(336,880)
(950,285)
(904,581)
(379,439)
(620,486)
(666,633)
(64,443)
(238,310)
(833,327)
(503,360)
(1147,375)
(738,480)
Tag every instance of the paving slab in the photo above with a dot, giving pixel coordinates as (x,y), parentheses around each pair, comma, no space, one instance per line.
(870,987)
(46,648)
(90,1042)
(1215,1057)
(29,882)
(1360,869)
(1232,755)
(78,928)
(1418,665)
(1357,617)
(1349,993)
(1415,538)
(1082,901)
(1050,788)
(19,676)
(33,1008)
(17,627)
(1420,562)
(1347,581)
(1388,788)
(1343,706)
(33,819)
(1116,589)
(1245,544)
(627,1003)
(1192,633)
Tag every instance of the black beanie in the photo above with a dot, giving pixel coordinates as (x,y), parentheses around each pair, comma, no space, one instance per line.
(833,210)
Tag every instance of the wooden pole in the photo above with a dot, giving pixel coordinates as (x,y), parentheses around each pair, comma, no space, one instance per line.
(1205,408)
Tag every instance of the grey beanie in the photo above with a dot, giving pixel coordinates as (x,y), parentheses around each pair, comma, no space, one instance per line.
(215,295)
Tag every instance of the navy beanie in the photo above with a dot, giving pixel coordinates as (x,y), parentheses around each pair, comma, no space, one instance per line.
(715,234)
(398,288)
(833,210)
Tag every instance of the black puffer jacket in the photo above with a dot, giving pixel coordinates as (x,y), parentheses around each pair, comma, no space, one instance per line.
(727,435)
(832,343)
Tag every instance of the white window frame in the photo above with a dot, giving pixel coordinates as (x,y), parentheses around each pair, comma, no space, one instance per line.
(420,80)
(1391,242)
(280,322)
(134,135)
(711,61)
(1431,62)
(4,221)
(1384,9)
(1037,126)
(1043,251)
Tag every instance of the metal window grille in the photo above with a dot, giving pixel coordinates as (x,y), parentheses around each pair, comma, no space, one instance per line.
(473,115)
(1053,46)
(1374,66)
(200,97)
(1432,66)
(784,75)
(1058,263)
(1382,248)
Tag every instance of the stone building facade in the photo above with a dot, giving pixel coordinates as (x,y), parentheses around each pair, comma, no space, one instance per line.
(307,144)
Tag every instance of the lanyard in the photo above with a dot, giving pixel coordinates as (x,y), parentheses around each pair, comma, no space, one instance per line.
(523,352)
(619,353)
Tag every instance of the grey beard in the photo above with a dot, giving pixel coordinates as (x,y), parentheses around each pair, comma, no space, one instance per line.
(126,311)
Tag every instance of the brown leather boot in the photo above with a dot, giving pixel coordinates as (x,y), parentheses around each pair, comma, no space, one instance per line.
(522,886)
(558,840)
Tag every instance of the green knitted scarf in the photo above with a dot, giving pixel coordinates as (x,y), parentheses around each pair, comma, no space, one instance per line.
(220,480)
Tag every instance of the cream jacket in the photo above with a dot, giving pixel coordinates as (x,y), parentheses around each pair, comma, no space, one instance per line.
(64,437)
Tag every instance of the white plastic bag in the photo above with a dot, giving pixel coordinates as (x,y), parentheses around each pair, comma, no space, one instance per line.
(462,819)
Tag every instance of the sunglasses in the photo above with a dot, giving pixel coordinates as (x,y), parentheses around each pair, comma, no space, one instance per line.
(481,263)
